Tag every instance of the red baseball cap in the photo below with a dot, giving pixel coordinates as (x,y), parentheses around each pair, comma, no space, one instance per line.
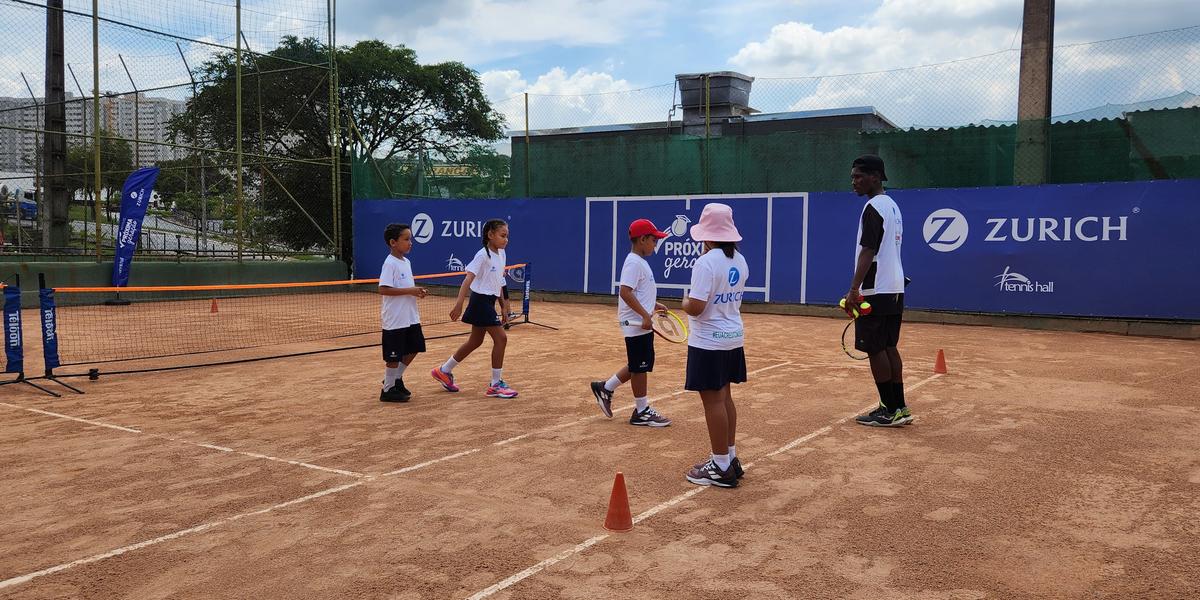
(642,227)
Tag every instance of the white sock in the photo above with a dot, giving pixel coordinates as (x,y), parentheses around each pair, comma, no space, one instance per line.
(389,377)
(613,383)
(449,366)
(496,376)
(732,453)
(642,403)
(400,370)
(722,461)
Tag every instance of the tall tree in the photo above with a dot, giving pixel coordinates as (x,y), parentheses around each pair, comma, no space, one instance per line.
(397,107)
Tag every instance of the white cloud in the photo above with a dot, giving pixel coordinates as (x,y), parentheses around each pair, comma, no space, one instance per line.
(902,34)
(561,99)
(474,31)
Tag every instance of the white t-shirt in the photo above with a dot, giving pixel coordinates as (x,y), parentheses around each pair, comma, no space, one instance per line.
(488,268)
(397,312)
(881,224)
(636,273)
(720,281)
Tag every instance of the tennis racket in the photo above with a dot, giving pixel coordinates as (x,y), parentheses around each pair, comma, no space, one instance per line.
(666,324)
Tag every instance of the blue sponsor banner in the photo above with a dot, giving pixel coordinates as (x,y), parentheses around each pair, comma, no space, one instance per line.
(14,351)
(447,234)
(1106,249)
(49,317)
(756,219)
(135,197)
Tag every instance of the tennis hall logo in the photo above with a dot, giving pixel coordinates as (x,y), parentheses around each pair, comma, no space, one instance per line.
(946,230)
(1011,281)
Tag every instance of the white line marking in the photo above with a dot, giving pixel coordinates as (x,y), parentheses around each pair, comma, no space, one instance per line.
(804,254)
(565,554)
(364,479)
(587,240)
(170,536)
(770,227)
(69,418)
(667,504)
(430,462)
(611,289)
(187,442)
(557,558)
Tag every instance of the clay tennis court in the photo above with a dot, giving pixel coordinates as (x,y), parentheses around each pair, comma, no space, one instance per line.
(1044,464)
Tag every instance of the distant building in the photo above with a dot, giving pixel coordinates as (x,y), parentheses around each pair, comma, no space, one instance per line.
(18,149)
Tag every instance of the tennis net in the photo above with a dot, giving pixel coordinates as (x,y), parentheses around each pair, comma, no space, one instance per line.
(210,324)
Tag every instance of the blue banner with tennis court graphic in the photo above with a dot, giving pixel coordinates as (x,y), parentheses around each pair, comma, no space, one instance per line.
(13,348)
(1103,249)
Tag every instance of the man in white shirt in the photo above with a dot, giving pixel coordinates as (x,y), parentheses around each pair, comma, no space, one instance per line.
(879,279)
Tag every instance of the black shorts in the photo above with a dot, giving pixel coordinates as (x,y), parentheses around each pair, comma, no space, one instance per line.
(639,350)
(874,333)
(481,311)
(398,343)
(714,369)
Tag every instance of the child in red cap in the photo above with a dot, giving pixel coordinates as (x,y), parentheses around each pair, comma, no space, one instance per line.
(638,295)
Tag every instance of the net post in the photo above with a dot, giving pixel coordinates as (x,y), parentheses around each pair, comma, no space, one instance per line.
(49,320)
(525,298)
(14,347)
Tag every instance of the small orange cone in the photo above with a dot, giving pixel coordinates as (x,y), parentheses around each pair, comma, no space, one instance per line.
(940,365)
(214,306)
(619,518)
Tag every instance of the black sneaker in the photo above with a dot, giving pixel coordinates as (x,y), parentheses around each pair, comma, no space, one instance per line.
(648,418)
(603,398)
(882,417)
(734,464)
(397,393)
(709,473)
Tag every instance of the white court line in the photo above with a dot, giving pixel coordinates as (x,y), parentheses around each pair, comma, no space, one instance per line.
(170,536)
(69,418)
(620,408)
(561,556)
(365,478)
(188,442)
(565,554)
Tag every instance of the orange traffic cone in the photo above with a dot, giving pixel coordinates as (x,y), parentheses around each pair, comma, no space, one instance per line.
(214,306)
(619,518)
(940,365)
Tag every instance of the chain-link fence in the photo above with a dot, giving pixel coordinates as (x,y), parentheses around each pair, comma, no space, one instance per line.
(230,102)
(1125,109)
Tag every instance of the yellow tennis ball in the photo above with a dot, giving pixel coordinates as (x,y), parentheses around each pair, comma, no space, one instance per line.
(865,307)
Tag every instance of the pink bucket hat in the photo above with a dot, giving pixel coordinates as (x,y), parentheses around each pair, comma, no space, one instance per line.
(716,225)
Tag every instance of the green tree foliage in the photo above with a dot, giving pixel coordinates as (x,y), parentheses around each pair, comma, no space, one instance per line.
(391,106)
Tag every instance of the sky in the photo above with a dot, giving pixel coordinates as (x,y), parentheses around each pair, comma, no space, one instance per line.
(590,62)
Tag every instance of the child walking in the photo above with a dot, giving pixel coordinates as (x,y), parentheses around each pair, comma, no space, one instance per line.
(638,295)
(485,282)
(401,321)
(716,358)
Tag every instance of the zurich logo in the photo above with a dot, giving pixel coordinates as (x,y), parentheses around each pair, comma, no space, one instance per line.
(945,230)
(422,228)
(734,276)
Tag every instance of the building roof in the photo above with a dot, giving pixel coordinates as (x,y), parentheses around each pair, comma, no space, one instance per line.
(763,117)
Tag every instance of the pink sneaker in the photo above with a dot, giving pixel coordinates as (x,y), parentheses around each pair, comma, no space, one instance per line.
(446,379)
(500,390)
